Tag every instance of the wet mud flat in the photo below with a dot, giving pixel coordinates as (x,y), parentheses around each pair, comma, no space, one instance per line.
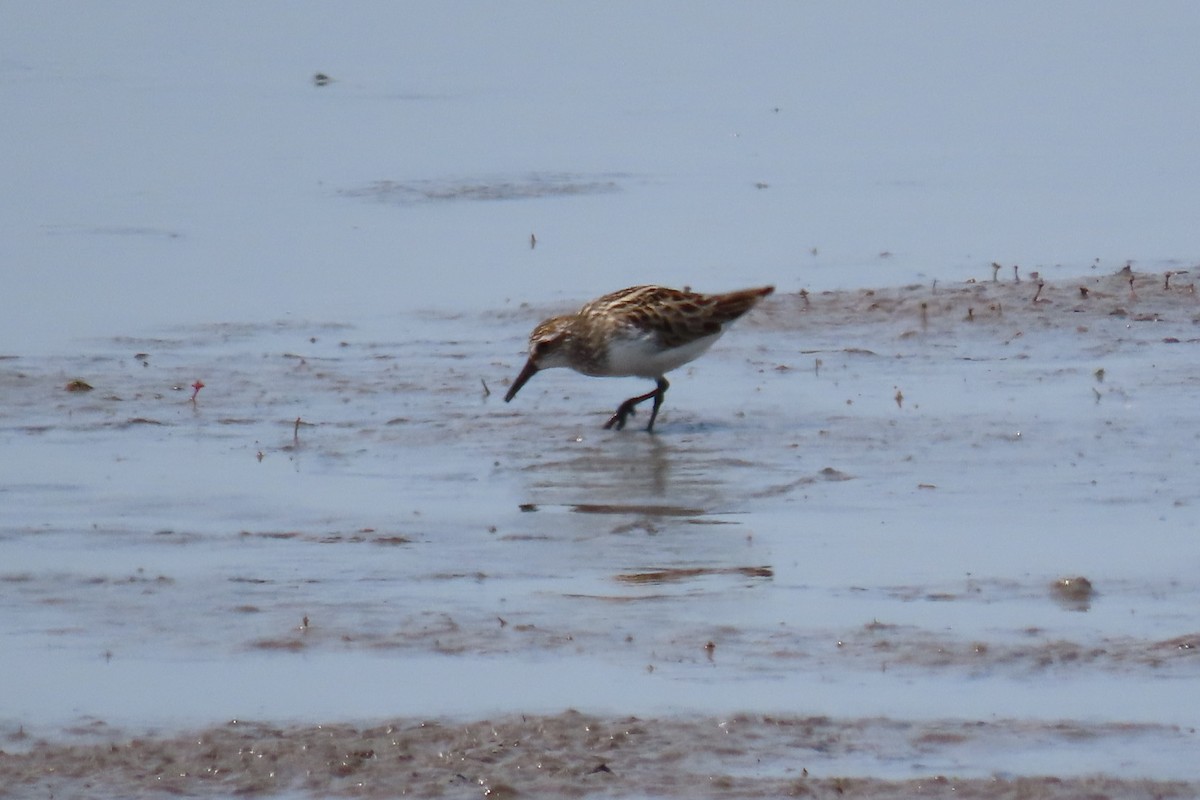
(565,755)
(932,539)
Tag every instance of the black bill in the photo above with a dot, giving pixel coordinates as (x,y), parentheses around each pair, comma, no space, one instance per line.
(526,373)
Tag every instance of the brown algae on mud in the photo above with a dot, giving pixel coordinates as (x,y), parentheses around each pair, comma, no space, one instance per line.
(688,573)
(922,310)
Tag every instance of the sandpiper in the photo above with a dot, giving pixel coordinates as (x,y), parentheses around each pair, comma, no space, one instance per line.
(642,331)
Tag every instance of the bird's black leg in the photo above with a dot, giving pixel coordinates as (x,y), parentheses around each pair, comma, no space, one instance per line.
(625,409)
(658,393)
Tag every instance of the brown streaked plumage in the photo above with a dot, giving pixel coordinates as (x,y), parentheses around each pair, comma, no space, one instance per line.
(642,331)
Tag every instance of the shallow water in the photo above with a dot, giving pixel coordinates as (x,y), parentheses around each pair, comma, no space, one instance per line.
(938,527)
(858,506)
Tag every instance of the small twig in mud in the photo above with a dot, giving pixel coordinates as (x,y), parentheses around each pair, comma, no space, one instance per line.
(804,297)
(296,432)
(817,367)
(486,391)
(1083,292)
(1038,293)
(970,315)
(196,387)
(1016,273)
(532,241)
(1167,281)
(899,398)
(1127,271)
(995,272)
(925,314)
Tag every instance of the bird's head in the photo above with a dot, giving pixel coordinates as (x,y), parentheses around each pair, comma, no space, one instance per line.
(547,348)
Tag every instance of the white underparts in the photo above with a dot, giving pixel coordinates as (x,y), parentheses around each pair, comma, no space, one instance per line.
(643,356)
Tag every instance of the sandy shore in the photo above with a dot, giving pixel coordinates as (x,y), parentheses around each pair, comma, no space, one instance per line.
(565,755)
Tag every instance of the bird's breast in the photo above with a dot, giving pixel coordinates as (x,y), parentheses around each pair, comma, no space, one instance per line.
(643,355)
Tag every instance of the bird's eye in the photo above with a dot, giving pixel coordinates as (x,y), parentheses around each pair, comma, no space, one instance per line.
(541,348)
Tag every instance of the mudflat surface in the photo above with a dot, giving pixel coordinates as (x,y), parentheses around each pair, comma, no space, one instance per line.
(931,529)
(935,539)
(565,755)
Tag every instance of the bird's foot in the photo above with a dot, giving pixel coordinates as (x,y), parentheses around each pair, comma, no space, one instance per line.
(627,408)
(624,411)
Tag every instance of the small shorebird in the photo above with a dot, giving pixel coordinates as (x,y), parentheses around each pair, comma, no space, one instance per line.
(642,331)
